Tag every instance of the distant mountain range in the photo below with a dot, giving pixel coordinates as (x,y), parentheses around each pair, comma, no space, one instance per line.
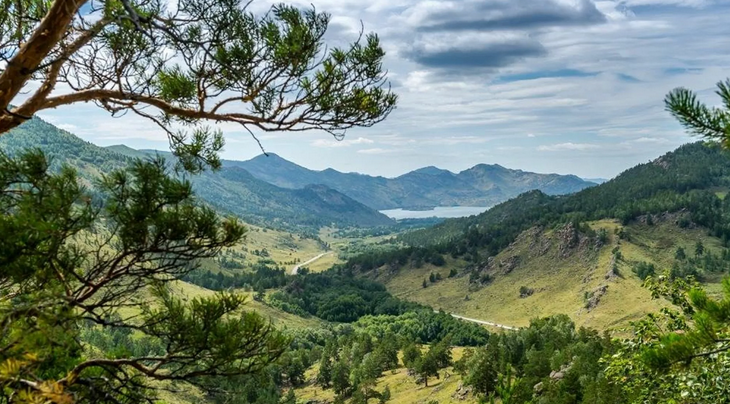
(481,185)
(231,190)
(596,180)
(271,190)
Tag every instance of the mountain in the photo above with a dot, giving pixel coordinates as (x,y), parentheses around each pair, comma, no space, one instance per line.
(481,185)
(584,254)
(679,180)
(596,180)
(231,190)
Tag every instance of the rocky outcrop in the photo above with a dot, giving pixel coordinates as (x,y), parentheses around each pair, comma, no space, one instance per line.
(462,392)
(612,272)
(509,264)
(570,240)
(526,292)
(661,162)
(595,296)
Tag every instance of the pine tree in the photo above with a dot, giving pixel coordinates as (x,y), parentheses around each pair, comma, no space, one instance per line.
(483,369)
(680,254)
(699,249)
(411,353)
(324,376)
(221,63)
(708,122)
(71,261)
(341,378)
(426,366)
(385,395)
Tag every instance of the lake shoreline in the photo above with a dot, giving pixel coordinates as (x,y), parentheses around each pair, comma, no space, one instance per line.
(447,212)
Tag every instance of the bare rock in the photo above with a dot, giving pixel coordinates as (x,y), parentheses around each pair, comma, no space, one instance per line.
(509,264)
(462,392)
(560,374)
(569,239)
(595,297)
(526,292)
(661,162)
(612,273)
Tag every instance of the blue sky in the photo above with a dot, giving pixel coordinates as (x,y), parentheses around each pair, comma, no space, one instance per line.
(566,86)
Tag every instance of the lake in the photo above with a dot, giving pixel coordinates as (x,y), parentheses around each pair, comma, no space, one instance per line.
(442,211)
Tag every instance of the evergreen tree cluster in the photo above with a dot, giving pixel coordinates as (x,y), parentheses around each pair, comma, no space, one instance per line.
(549,362)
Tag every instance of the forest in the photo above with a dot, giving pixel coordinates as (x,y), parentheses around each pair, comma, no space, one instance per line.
(116,279)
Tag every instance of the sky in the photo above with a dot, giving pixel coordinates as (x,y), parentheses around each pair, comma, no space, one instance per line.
(552,86)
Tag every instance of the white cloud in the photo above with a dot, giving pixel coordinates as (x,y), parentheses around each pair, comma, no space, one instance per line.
(332,142)
(455,140)
(652,140)
(510,148)
(376,150)
(568,146)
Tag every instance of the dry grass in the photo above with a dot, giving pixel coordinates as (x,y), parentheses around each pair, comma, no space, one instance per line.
(403,388)
(560,284)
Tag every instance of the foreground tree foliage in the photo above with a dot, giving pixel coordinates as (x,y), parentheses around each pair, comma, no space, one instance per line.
(184,63)
(677,356)
(74,266)
(711,123)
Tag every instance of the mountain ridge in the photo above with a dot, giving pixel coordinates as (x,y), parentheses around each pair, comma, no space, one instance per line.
(585,254)
(671,182)
(481,185)
(231,190)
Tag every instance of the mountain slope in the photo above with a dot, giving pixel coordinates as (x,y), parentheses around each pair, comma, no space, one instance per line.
(581,254)
(577,280)
(481,185)
(687,178)
(231,190)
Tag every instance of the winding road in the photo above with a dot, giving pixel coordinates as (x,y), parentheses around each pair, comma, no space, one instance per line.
(473,320)
(303,264)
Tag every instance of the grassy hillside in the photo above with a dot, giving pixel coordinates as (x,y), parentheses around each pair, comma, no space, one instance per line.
(403,388)
(563,278)
(279,318)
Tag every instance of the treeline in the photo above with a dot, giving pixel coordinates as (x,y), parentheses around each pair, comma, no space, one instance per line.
(264,274)
(351,358)
(338,297)
(698,264)
(417,256)
(335,295)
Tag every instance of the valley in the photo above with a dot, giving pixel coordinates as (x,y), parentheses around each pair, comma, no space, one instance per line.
(353,202)
(329,270)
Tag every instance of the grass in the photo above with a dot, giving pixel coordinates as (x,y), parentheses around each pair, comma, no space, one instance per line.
(560,284)
(278,317)
(403,388)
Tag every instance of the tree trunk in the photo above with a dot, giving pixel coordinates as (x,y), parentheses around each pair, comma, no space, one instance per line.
(20,68)
(8,121)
